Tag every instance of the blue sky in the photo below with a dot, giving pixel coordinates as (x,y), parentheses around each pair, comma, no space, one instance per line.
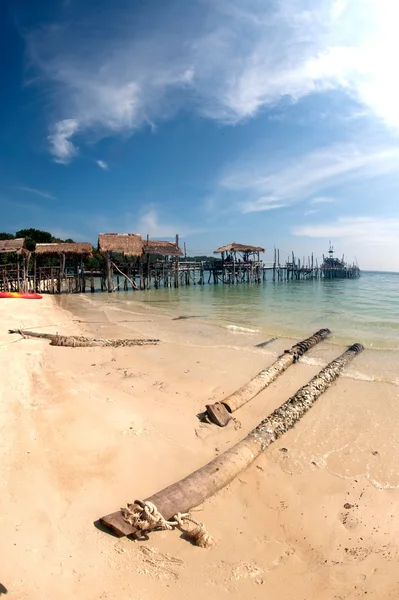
(272,122)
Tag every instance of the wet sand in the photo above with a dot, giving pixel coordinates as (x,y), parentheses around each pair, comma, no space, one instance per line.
(85,430)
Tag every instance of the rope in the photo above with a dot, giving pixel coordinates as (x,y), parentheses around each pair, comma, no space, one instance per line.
(145,516)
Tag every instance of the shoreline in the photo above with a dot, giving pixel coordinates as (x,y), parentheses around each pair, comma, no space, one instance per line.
(188,300)
(85,430)
(375,364)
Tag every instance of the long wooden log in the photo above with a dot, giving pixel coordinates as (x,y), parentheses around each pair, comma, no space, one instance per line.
(191,491)
(219,412)
(76,341)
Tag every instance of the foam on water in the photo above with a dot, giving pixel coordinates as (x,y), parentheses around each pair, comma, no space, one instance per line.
(241,329)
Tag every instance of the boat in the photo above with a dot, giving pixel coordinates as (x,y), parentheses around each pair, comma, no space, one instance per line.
(25,295)
(336,268)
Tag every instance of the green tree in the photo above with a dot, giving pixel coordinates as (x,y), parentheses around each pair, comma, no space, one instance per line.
(34,236)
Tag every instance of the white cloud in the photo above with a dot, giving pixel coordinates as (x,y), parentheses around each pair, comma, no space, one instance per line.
(36,192)
(365,230)
(102,164)
(152,224)
(225,59)
(322,200)
(61,147)
(149,224)
(266,184)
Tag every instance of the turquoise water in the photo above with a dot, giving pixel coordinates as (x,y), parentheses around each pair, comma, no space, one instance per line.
(365,310)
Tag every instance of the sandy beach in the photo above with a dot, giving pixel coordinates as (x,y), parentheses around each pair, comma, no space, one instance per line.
(86,430)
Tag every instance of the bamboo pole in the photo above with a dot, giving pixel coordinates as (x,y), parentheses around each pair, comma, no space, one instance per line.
(194,489)
(133,284)
(219,412)
(76,341)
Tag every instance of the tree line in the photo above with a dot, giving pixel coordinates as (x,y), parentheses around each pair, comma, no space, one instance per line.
(33,237)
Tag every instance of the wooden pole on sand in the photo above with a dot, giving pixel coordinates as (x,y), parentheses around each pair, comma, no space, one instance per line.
(191,491)
(220,412)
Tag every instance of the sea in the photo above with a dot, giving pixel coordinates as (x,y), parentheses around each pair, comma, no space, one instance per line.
(365,310)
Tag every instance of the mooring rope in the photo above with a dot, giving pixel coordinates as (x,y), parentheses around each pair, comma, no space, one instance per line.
(145,516)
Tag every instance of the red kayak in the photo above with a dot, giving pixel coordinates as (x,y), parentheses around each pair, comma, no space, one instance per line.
(26,295)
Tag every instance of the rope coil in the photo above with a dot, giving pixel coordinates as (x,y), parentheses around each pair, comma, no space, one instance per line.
(145,516)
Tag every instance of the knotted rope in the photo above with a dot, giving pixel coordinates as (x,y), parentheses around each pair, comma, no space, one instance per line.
(146,517)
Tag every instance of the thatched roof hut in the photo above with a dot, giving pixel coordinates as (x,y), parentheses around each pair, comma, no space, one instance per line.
(238,248)
(129,244)
(17,245)
(70,248)
(162,248)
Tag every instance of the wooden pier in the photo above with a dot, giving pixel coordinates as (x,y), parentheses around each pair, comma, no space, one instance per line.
(127,262)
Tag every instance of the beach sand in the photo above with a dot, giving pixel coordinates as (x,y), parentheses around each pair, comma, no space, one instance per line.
(86,430)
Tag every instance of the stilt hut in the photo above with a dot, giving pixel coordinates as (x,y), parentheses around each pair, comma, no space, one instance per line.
(239,263)
(14,270)
(128,246)
(61,277)
(162,259)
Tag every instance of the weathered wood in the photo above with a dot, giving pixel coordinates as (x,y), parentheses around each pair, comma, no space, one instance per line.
(266,377)
(218,414)
(133,284)
(76,341)
(207,481)
(109,273)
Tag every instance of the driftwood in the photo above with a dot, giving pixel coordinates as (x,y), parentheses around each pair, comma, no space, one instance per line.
(219,413)
(191,491)
(76,341)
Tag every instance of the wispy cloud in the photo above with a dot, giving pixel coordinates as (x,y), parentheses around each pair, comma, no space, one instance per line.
(372,231)
(61,146)
(323,200)
(36,192)
(102,164)
(116,70)
(266,184)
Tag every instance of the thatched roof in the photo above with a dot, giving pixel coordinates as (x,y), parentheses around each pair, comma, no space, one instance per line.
(17,245)
(77,248)
(238,248)
(161,248)
(130,244)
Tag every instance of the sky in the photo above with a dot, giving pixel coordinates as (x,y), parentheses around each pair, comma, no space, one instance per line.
(265,122)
